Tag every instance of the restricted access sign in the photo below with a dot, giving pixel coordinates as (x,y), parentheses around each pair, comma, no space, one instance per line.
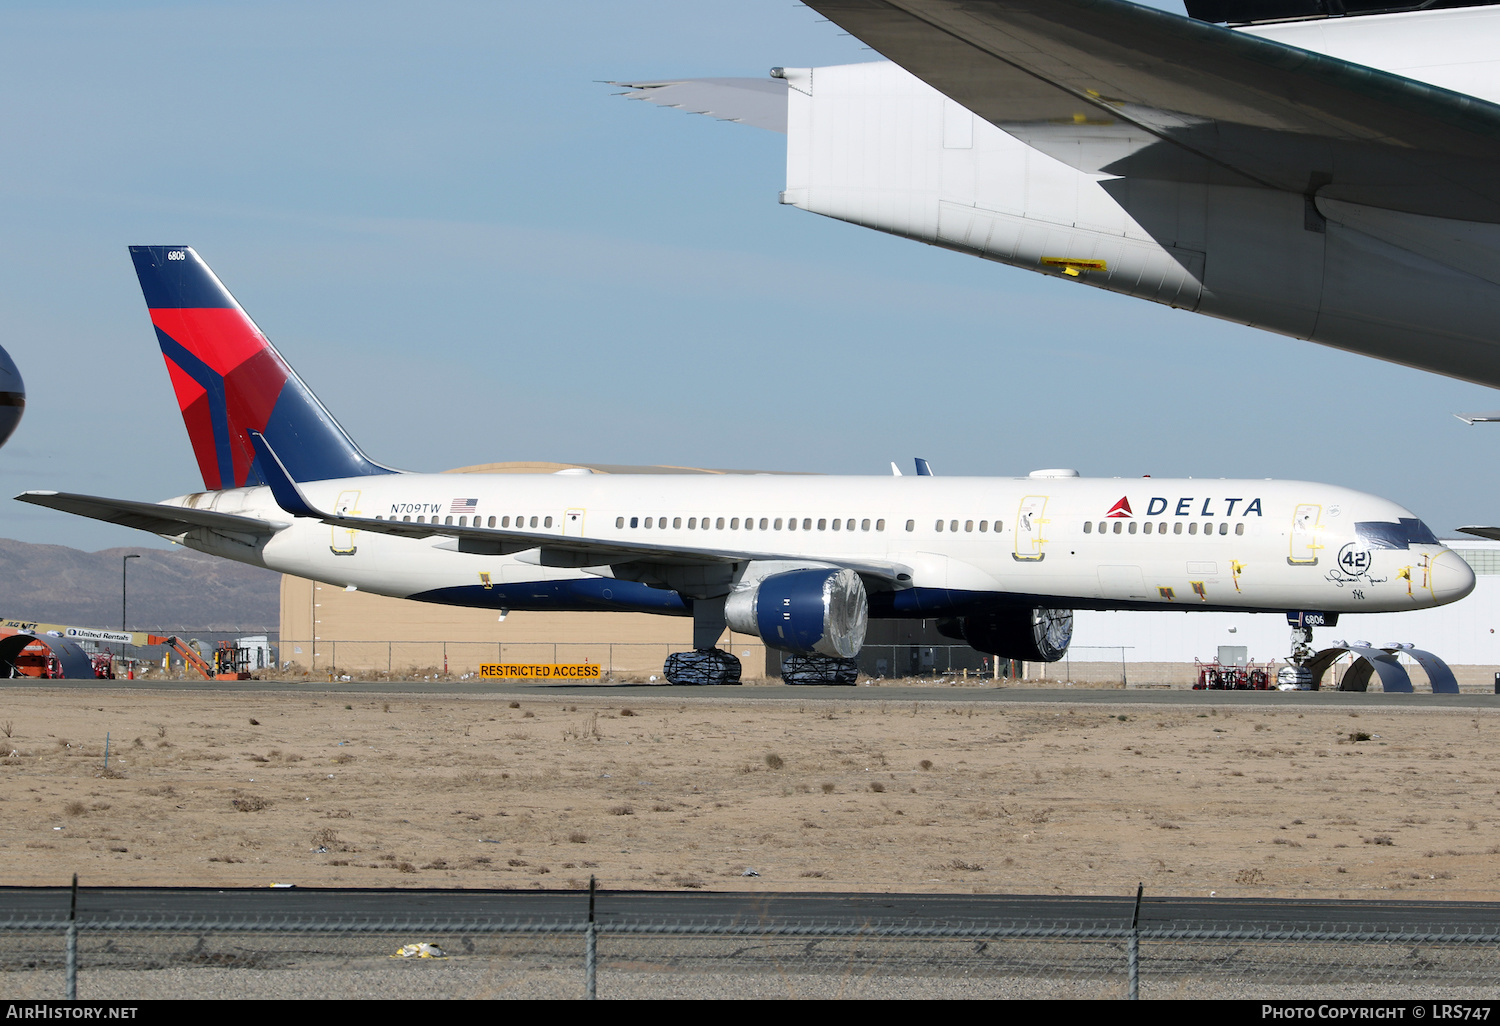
(540,671)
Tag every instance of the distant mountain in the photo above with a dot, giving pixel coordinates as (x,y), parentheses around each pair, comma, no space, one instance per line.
(169,589)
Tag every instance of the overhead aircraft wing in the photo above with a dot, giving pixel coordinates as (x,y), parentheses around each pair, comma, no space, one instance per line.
(1192,102)
(552,549)
(1492,533)
(150,516)
(749,101)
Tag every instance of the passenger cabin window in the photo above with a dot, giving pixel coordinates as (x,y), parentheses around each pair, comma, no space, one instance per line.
(719,524)
(1223,528)
(1146,527)
(635,521)
(938,526)
(984,526)
(880,525)
(492,521)
(619,521)
(911,525)
(1177,527)
(835,525)
(1192,528)
(822,524)
(764,522)
(969,526)
(807,523)
(1088,527)
(1239,528)
(864,525)
(1132,527)
(676,523)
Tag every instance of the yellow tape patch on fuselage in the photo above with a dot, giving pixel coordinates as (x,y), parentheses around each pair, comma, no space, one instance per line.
(1070,266)
(540,671)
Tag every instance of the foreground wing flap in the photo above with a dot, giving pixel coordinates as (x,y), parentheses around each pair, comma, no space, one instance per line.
(1233,105)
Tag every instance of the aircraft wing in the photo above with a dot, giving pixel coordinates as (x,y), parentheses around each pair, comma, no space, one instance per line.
(555,550)
(150,516)
(1192,102)
(1492,533)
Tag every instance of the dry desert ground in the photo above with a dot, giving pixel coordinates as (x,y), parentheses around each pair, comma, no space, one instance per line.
(672,791)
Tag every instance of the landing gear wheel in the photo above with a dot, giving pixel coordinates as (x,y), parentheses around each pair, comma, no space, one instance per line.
(704,666)
(817,669)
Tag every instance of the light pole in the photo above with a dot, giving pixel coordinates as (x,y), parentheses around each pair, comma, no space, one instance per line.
(124,566)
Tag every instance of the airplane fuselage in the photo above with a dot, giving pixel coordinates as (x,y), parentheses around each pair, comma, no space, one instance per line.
(953,543)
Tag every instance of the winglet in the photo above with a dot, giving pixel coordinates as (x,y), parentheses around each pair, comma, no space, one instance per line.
(895,470)
(923,469)
(288,496)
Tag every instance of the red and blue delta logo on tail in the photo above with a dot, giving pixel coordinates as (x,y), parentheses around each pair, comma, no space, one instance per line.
(230,380)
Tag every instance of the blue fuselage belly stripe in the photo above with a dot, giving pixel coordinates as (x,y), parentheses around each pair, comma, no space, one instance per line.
(218,411)
(563,596)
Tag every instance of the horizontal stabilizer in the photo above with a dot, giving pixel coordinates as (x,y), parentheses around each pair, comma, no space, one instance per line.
(1492,533)
(749,101)
(1478,418)
(150,516)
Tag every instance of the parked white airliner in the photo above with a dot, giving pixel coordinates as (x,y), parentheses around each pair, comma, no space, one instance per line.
(799,561)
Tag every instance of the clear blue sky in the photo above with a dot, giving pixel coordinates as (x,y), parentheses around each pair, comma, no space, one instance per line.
(473,251)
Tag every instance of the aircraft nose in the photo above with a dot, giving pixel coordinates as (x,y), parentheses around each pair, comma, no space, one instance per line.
(1452,578)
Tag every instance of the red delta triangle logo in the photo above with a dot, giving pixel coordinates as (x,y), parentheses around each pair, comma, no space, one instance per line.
(1120,509)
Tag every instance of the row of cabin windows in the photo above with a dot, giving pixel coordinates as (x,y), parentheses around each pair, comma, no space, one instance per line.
(984,526)
(478,521)
(749,523)
(1161,528)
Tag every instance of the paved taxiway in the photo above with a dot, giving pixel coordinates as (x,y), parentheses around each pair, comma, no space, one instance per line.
(781,692)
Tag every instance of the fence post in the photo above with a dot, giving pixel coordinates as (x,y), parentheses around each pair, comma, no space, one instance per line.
(72,957)
(1133,957)
(590,948)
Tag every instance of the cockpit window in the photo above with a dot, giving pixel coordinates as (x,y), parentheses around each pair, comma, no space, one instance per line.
(1408,531)
(1417,533)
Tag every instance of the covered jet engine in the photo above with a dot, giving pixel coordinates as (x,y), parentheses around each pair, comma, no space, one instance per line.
(819,611)
(1036,635)
(12,397)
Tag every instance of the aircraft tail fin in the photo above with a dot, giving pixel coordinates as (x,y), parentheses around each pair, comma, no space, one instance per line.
(230,380)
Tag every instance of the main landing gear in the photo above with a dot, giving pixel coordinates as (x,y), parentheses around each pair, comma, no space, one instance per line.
(706,664)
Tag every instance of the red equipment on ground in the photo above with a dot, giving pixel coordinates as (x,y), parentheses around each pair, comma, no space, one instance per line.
(1215,676)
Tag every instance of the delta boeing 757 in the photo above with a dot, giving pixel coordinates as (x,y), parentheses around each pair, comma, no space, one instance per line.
(800,561)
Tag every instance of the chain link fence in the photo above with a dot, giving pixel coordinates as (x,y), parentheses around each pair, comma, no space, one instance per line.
(157,956)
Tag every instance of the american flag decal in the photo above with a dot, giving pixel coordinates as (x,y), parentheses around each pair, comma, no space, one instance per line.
(463,505)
